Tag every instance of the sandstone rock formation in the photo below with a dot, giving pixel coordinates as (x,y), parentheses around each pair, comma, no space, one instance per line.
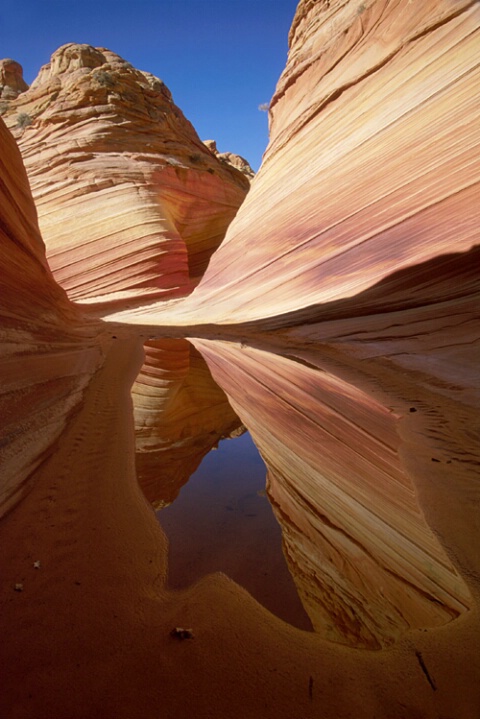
(353,256)
(128,197)
(11,81)
(28,291)
(230,158)
(180,414)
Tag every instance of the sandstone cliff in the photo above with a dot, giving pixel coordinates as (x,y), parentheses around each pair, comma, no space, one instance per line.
(128,197)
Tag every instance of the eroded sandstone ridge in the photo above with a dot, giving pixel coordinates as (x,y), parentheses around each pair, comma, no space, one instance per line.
(231,158)
(11,81)
(128,197)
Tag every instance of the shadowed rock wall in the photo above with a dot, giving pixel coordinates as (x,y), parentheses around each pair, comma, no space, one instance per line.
(46,357)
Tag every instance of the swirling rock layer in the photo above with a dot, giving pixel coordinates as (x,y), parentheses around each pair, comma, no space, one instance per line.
(373,158)
(28,292)
(128,197)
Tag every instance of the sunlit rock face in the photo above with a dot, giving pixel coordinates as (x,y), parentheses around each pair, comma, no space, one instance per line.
(11,81)
(366,564)
(180,414)
(45,358)
(230,158)
(129,199)
(372,166)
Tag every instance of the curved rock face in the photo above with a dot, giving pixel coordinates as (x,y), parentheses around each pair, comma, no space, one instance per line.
(180,414)
(366,564)
(28,292)
(128,197)
(372,166)
(46,360)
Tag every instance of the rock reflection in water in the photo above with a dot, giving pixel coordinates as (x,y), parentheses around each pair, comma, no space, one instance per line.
(365,562)
(180,414)
(222,521)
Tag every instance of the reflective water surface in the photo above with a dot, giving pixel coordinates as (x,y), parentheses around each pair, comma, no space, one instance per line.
(223,521)
(364,561)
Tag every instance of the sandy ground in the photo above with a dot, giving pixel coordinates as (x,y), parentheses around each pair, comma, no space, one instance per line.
(89,634)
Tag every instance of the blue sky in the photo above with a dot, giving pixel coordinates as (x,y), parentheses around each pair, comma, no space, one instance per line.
(221,59)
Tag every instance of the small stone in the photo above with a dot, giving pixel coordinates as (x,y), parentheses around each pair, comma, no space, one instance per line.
(37,564)
(181,633)
(18,587)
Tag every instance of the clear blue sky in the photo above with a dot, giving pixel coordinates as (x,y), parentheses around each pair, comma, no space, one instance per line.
(220,58)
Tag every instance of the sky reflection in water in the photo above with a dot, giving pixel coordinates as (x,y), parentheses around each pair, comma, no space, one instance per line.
(222,521)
